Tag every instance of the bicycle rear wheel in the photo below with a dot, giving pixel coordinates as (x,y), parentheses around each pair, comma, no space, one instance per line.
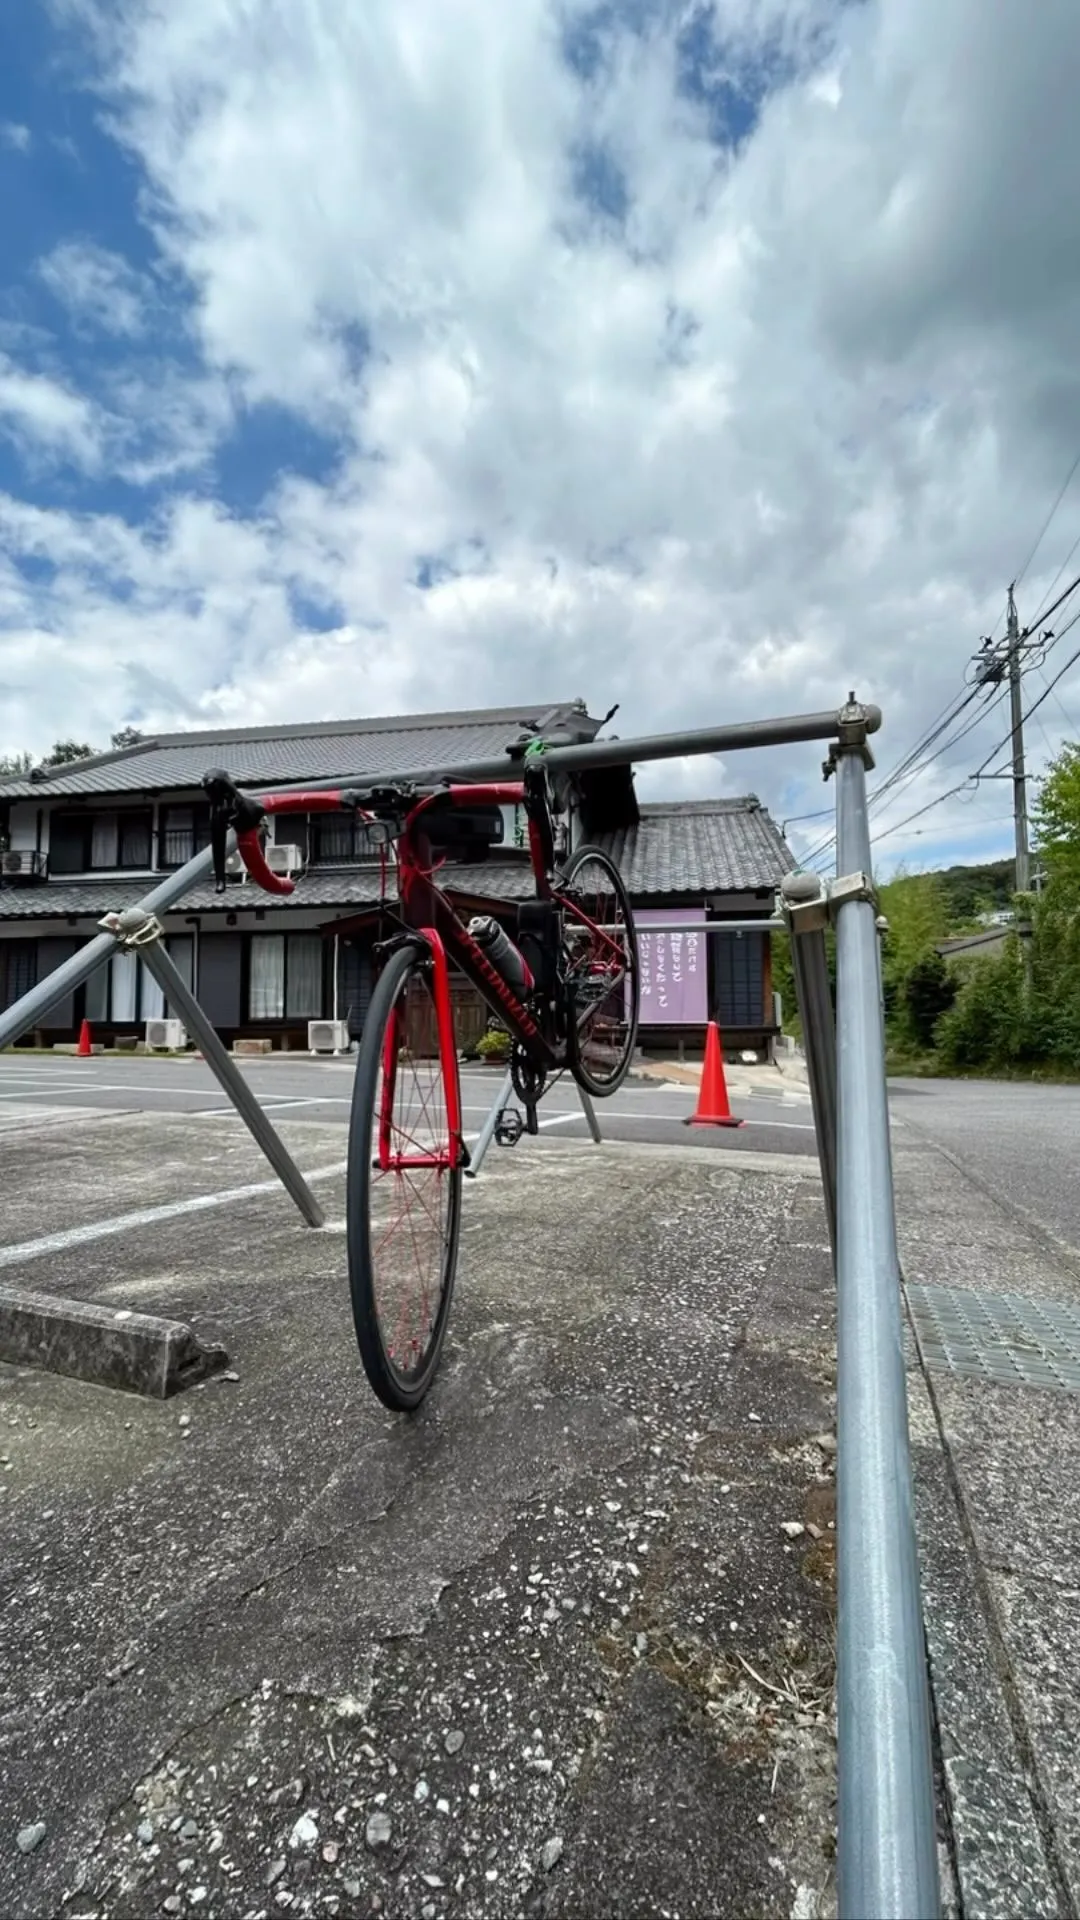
(602,974)
(403,1207)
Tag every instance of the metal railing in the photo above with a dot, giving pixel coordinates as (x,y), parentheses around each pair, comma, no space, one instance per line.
(887,1860)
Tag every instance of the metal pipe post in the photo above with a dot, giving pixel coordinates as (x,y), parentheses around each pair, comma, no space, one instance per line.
(771,924)
(589,1111)
(789,730)
(810,966)
(179,995)
(887,1858)
(64,980)
(478,1151)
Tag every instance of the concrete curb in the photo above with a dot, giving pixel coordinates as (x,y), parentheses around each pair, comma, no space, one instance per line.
(106,1347)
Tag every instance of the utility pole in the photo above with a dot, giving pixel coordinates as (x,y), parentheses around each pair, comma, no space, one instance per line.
(1020,811)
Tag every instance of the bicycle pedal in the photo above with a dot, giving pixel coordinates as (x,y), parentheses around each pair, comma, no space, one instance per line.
(509,1127)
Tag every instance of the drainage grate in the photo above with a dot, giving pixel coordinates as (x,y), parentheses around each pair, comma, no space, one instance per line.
(1004,1337)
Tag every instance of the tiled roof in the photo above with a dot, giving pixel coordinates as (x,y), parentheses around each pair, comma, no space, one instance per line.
(338,887)
(701,846)
(696,847)
(318,750)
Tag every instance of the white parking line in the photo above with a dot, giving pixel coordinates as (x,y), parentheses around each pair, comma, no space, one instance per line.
(789,1126)
(148,1217)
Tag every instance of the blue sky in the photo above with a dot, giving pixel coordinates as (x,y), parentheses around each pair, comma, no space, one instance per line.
(652,350)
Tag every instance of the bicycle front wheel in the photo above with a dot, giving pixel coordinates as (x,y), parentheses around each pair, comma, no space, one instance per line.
(602,976)
(403,1206)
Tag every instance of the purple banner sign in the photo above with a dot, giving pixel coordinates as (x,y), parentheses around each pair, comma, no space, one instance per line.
(674,972)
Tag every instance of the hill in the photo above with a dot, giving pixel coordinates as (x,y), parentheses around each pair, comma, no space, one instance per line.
(969,891)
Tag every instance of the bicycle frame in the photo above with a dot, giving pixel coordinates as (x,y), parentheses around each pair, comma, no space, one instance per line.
(424,907)
(427,912)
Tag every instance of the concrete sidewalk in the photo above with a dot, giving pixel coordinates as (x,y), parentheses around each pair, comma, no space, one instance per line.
(740,1078)
(995,1410)
(560,1646)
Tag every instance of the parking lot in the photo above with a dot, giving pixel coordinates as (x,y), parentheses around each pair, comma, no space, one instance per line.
(776,1112)
(561,1644)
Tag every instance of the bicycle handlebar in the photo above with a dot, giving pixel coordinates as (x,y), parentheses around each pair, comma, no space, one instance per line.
(241,813)
(249,847)
(229,808)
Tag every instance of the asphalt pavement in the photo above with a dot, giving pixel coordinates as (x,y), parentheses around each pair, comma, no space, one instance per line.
(1019,1140)
(559,1645)
(776,1112)
(563,1643)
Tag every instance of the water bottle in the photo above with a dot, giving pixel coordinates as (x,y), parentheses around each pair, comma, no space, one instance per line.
(501,951)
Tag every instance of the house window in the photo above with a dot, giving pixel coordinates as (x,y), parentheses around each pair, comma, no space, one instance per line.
(285,979)
(68,848)
(104,839)
(303,975)
(185,831)
(99,842)
(133,839)
(18,969)
(337,839)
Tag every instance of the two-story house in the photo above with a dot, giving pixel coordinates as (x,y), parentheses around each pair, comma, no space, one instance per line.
(89,837)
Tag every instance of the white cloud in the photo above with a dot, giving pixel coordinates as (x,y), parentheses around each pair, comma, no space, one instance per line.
(46,418)
(783,428)
(14,134)
(97,286)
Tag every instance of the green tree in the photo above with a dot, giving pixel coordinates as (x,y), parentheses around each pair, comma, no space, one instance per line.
(929,992)
(914,906)
(65,751)
(127,737)
(13,764)
(1057,819)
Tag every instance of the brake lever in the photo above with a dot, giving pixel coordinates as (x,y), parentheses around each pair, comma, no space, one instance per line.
(228,808)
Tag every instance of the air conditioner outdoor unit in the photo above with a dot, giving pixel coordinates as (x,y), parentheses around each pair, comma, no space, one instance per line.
(13,862)
(328,1036)
(283,859)
(165,1036)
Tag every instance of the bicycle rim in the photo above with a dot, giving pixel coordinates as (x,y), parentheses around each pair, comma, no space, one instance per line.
(404,1188)
(602,971)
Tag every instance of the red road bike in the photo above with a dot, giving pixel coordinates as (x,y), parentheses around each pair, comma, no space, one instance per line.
(566,989)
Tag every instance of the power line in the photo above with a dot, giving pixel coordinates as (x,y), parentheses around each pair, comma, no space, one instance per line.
(918,814)
(1036,704)
(794,819)
(904,773)
(1027,715)
(1042,534)
(1045,615)
(1071,724)
(950,712)
(1046,522)
(951,793)
(920,757)
(919,833)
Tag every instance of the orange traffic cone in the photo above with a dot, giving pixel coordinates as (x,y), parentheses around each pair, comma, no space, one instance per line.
(84,1048)
(713,1107)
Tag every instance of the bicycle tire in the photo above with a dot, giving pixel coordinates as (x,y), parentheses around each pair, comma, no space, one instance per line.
(371,1189)
(602,1087)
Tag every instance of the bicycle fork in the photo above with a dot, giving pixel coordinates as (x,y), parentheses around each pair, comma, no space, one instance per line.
(455,1153)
